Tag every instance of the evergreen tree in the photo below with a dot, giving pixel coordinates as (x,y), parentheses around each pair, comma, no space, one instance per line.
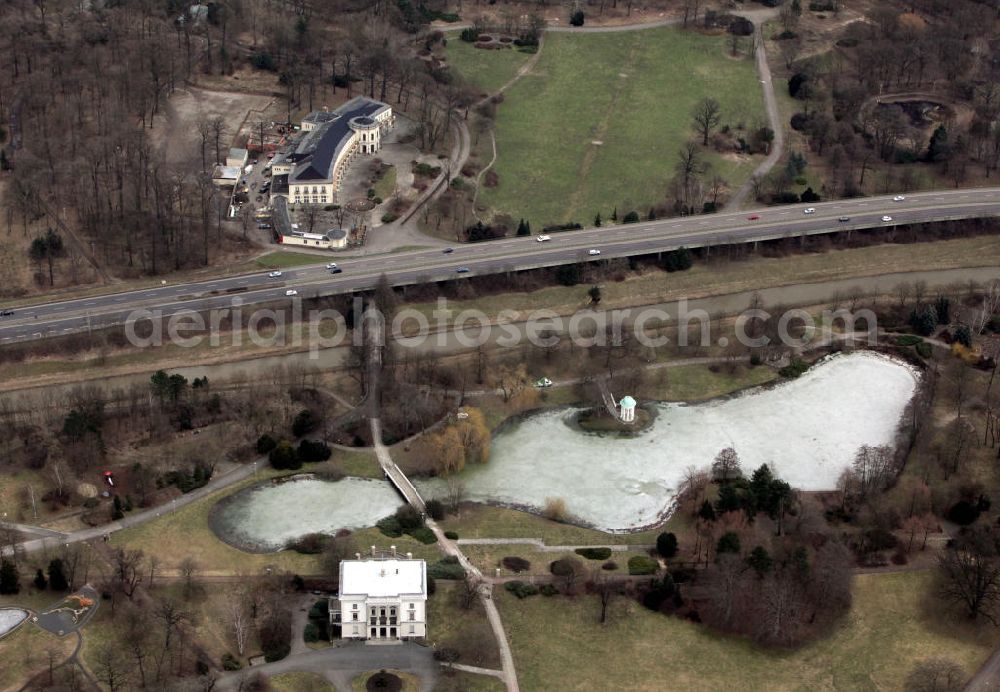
(40,581)
(666,544)
(522,228)
(117,511)
(943,307)
(614,214)
(9,580)
(938,149)
(651,216)
(597,220)
(760,561)
(595,294)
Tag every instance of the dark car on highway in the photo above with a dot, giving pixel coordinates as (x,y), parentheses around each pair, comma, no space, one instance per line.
(336,270)
(6,313)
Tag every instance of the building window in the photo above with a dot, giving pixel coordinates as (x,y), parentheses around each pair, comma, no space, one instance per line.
(412,615)
(354,607)
(355,618)
(412,606)
(412,630)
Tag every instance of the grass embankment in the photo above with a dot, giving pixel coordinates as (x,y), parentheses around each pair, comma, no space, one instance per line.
(891,626)
(487,70)
(385,186)
(459,681)
(282,259)
(599,120)
(466,631)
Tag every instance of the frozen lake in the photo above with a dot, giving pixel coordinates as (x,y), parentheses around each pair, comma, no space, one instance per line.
(11,618)
(265,517)
(808,430)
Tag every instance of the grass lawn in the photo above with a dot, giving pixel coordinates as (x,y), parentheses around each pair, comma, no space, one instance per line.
(283,258)
(888,630)
(697,382)
(385,186)
(466,631)
(460,681)
(633,93)
(299,682)
(487,70)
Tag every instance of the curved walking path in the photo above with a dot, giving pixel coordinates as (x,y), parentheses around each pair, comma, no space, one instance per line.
(758,17)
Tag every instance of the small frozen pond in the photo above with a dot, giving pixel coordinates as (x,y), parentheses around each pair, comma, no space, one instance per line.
(11,618)
(808,430)
(265,517)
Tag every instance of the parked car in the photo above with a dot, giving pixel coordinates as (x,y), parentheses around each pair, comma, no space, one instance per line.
(887,218)
(274,275)
(593,252)
(543,382)
(809,210)
(544,238)
(291,292)
(844,219)
(898,198)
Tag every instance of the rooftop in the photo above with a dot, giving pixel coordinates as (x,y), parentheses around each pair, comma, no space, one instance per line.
(383,578)
(317,151)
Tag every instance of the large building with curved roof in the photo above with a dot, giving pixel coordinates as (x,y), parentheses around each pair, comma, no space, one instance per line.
(313,172)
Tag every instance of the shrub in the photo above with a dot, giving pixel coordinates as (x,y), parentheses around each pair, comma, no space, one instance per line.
(794,369)
(631,217)
(230,662)
(516,564)
(442,569)
(610,565)
(310,544)
(283,456)
(265,443)
(924,349)
(908,340)
(389,217)
(469,35)
(555,509)
(548,590)
(390,527)
(310,633)
(521,589)
(451,535)
(320,610)
(424,535)
(305,422)
(435,510)
(263,60)
(313,450)
(577,18)
(446,655)
(666,544)
(91,502)
(565,566)
(408,518)
(963,512)
(642,564)
(594,553)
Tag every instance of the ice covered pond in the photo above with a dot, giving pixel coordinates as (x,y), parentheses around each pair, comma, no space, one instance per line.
(265,517)
(11,618)
(807,429)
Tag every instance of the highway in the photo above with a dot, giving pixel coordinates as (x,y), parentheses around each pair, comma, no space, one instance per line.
(67,316)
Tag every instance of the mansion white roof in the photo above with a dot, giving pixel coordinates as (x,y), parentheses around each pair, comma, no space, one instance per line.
(383,578)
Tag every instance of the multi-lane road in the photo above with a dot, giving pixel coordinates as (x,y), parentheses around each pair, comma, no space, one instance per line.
(62,317)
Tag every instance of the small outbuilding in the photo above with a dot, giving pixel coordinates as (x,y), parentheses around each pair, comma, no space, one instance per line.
(626,409)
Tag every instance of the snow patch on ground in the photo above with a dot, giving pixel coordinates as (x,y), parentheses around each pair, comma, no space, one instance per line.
(11,618)
(266,517)
(808,430)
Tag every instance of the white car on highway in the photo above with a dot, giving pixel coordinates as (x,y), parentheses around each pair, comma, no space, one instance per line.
(809,210)
(543,238)
(887,218)
(594,252)
(291,292)
(274,275)
(898,198)
(332,265)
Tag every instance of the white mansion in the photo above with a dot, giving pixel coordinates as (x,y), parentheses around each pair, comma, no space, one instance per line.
(381,598)
(313,171)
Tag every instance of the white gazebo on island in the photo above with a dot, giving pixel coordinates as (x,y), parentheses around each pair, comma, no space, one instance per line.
(627,409)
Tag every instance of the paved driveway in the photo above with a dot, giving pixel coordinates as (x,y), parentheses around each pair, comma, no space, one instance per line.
(342,664)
